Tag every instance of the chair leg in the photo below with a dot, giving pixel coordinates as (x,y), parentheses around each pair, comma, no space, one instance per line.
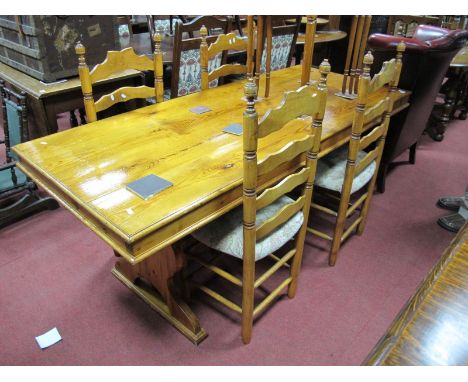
(247,297)
(412,153)
(381,178)
(338,233)
(296,261)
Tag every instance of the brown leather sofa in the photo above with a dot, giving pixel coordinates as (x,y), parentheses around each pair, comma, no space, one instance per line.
(425,63)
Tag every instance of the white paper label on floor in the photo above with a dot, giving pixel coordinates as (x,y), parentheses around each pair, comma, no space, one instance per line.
(49,338)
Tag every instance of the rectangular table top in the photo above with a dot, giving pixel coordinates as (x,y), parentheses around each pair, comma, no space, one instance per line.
(87,168)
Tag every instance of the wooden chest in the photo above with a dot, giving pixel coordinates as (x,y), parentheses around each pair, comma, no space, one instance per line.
(44,46)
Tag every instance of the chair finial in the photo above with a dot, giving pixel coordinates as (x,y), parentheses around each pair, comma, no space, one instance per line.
(79,48)
(250,90)
(401,47)
(157,37)
(325,67)
(203,31)
(368,58)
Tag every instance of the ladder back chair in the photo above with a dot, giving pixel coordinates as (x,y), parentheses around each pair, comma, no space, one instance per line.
(348,169)
(266,222)
(275,46)
(117,61)
(186,70)
(224,42)
(18,194)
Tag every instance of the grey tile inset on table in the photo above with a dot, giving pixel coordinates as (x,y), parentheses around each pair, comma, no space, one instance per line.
(200,109)
(233,128)
(148,186)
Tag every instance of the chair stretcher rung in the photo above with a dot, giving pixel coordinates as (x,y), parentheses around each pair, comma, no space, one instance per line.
(228,303)
(220,272)
(271,297)
(350,229)
(356,204)
(323,209)
(276,258)
(319,234)
(274,268)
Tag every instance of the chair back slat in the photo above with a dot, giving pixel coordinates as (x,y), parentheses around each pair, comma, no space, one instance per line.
(281,217)
(384,77)
(288,184)
(123,94)
(293,105)
(373,113)
(371,137)
(228,41)
(226,70)
(285,154)
(118,61)
(366,161)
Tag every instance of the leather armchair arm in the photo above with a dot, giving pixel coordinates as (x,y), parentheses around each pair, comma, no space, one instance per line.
(426,38)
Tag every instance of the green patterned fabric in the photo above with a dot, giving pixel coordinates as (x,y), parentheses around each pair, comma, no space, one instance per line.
(14,124)
(280,48)
(6,179)
(190,71)
(331,171)
(14,137)
(225,234)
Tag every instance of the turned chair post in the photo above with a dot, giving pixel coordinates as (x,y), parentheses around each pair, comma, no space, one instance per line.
(381,142)
(311,162)
(269,43)
(250,46)
(86,85)
(259,51)
(204,58)
(158,68)
(308,49)
(250,126)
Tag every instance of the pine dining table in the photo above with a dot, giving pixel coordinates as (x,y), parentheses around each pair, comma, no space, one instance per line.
(88,168)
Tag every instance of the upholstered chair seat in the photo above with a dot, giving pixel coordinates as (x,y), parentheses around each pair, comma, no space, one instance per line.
(331,171)
(225,234)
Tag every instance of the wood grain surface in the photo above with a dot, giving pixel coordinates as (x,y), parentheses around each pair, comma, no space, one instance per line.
(87,168)
(432,328)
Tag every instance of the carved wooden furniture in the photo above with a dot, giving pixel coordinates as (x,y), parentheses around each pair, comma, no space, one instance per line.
(455,91)
(348,170)
(98,162)
(224,42)
(357,43)
(45,101)
(117,61)
(265,222)
(18,194)
(185,77)
(431,328)
(427,58)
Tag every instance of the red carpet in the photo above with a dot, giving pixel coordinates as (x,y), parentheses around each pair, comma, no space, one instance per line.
(54,272)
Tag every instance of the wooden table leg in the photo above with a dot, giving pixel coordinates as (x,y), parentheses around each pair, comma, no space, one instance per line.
(161,272)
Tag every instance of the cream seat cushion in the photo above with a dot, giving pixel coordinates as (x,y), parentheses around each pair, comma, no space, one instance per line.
(225,234)
(331,171)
